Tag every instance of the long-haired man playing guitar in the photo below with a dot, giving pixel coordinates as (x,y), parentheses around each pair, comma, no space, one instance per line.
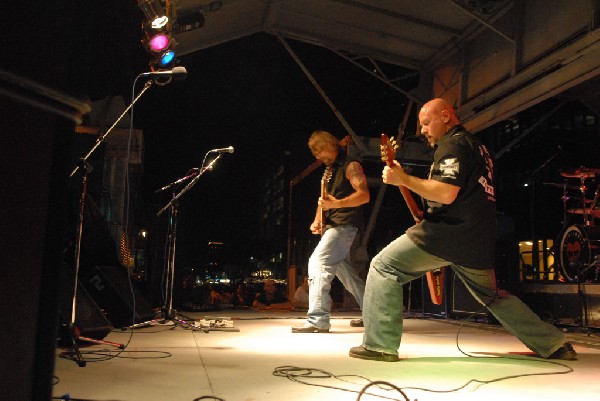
(340,207)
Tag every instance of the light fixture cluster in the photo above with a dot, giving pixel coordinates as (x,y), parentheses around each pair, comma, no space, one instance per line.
(158,34)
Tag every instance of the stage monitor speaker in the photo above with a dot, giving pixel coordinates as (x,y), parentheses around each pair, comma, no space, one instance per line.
(89,319)
(460,302)
(507,255)
(109,286)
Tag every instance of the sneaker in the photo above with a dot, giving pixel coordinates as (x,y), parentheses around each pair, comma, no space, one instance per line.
(363,353)
(357,323)
(566,353)
(308,328)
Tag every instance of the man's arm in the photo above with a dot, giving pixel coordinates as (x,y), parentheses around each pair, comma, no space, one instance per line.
(360,196)
(432,190)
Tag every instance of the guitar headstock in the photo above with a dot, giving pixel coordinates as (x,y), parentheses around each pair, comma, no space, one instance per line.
(326,175)
(388,149)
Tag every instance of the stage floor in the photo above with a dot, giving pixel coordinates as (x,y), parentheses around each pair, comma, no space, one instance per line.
(169,362)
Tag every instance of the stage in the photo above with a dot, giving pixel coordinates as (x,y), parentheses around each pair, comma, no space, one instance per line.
(251,356)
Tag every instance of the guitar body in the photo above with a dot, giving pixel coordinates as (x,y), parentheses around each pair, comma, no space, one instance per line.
(435,278)
(435,282)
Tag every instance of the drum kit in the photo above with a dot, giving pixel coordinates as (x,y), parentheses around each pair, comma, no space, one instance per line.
(577,250)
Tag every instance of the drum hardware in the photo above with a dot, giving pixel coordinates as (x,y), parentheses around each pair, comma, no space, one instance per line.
(592,212)
(559,185)
(579,253)
(586,207)
(580,173)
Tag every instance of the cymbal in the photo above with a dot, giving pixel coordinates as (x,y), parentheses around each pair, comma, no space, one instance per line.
(590,212)
(580,173)
(559,185)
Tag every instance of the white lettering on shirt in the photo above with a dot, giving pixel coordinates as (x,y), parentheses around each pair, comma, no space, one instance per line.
(489,166)
(449,168)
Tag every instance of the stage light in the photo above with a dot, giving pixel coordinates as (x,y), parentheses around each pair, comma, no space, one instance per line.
(154,13)
(160,28)
(167,58)
(159,43)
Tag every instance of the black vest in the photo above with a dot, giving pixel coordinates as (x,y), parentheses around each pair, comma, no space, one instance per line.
(340,187)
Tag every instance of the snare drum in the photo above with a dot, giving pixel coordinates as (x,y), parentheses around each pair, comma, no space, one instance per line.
(579,249)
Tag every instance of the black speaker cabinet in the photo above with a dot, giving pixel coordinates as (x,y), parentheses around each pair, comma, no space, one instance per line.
(457,301)
(89,319)
(460,301)
(109,287)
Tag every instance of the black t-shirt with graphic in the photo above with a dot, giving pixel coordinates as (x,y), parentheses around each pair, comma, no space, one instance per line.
(463,232)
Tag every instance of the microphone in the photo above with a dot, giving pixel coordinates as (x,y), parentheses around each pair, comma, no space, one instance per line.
(223,150)
(178,72)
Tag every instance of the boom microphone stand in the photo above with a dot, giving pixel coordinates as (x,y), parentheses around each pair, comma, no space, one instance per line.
(84,165)
(168,313)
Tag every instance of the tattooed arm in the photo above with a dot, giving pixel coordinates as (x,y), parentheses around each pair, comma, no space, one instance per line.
(356,176)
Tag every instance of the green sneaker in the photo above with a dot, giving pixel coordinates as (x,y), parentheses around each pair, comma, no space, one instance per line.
(363,353)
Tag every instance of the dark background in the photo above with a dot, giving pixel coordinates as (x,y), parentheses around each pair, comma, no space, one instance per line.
(247,94)
(251,95)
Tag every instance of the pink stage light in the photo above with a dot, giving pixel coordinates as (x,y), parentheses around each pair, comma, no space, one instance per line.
(159,43)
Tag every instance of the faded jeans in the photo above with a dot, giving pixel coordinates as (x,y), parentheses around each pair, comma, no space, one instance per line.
(402,261)
(331,258)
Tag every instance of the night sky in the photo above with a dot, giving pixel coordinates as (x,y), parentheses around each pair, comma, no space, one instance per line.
(251,95)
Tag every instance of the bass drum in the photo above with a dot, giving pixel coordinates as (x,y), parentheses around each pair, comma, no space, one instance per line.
(579,248)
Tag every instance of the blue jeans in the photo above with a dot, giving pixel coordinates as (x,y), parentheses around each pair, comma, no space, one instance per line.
(402,261)
(331,258)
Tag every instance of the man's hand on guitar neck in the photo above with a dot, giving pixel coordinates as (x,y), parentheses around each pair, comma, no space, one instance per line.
(328,202)
(432,190)
(394,175)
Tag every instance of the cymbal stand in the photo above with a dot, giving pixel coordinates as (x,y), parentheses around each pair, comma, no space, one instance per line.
(584,210)
(565,199)
(535,256)
(581,274)
(86,168)
(168,313)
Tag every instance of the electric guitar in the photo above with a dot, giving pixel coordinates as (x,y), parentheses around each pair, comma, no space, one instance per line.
(435,278)
(324,181)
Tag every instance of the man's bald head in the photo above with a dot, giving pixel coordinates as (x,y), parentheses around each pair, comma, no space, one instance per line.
(436,117)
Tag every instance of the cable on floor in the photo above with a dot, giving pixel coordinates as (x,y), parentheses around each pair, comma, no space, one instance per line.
(296,374)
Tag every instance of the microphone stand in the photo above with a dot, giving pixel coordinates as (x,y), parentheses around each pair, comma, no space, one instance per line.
(582,271)
(169,314)
(84,165)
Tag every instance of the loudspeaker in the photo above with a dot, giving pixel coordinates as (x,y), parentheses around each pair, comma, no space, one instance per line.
(507,255)
(109,287)
(457,300)
(89,319)
(98,247)
(460,300)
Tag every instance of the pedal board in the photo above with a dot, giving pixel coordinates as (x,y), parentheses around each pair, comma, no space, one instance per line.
(212,323)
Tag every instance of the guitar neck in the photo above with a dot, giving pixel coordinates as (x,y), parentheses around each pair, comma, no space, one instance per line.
(388,152)
(324,181)
(321,211)
(417,213)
